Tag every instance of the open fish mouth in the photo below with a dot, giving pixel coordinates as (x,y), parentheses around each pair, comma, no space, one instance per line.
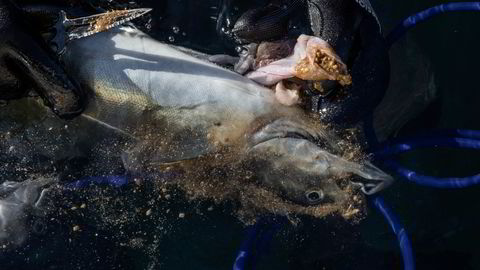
(313,59)
(312,62)
(317,61)
(333,67)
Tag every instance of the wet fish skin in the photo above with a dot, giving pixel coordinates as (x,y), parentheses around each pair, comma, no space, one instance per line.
(185,109)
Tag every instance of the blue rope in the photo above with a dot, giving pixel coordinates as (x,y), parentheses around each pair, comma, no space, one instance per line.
(399,230)
(244,255)
(428,142)
(442,133)
(449,138)
(431,181)
(460,133)
(422,16)
(258,238)
(384,155)
(113,180)
(116,180)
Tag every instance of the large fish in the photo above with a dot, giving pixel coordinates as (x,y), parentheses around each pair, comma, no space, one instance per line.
(187,113)
(191,119)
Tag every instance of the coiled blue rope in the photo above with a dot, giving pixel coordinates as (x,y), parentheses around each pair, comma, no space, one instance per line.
(429,142)
(399,230)
(431,181)
(257,238)
(116,180)
(244,255)
(465,139)
(260,236)
(456,138)
(112,180)
(449,138)
(422,16)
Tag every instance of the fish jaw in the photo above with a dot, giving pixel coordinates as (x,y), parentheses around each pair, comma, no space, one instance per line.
(313,59)
(298,168)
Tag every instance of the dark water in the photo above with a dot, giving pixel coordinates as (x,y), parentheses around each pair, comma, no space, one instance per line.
(442,224)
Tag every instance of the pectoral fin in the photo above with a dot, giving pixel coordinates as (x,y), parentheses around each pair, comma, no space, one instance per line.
(370,178)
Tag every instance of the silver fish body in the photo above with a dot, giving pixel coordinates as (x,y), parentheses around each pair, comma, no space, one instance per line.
(183,110)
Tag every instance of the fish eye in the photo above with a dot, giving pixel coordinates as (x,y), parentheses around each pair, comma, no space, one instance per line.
(39,227)
(314,196)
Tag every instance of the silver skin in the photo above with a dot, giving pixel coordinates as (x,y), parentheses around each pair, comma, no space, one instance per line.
(191,108)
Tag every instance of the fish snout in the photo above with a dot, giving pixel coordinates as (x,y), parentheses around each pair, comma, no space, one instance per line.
(367,176)
(306,174)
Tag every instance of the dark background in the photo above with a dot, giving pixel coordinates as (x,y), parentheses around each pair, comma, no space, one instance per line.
(442,224)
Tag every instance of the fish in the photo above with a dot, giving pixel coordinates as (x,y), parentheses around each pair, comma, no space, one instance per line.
(309,59)
(187,113)
(195,121)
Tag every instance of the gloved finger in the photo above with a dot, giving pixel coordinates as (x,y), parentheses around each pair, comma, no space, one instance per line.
(264,23)
(25,56)
(29,61)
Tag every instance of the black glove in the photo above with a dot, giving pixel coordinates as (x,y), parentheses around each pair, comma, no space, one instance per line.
(25,64)
(352,29)
(349,26)
(221,26)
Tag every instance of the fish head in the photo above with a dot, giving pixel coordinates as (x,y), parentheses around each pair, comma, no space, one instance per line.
(306,174)
(19,202)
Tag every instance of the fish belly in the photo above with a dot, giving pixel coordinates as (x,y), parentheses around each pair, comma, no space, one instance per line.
(132,78)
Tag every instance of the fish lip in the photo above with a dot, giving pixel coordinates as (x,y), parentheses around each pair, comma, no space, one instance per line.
(312,59)
(368,186)
(369,178)
(318,61)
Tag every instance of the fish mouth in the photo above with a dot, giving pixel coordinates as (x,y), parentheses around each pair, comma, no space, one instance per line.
(333,66)
(309,174)
(312,59)
(320,62)
(312,62)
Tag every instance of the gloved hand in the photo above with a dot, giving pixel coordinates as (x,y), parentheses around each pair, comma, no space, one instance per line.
(349,26)
(221,26)
(26,64)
